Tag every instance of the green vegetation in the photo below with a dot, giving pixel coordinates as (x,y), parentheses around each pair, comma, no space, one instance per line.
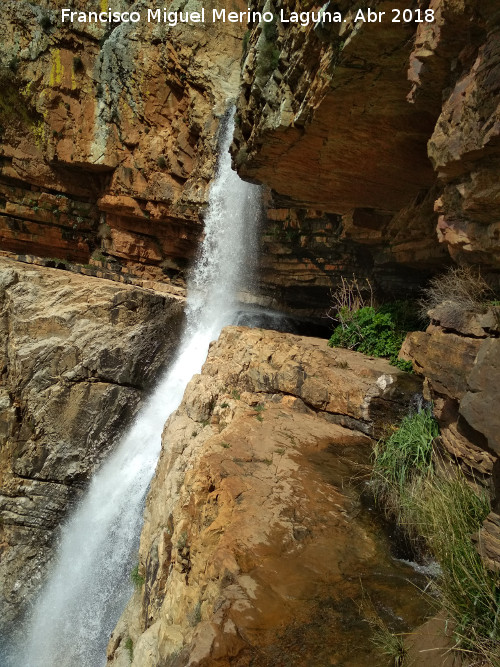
(236,394)
(98,256)
(129,647)
(268,54)
(270,30)
(405,453)
(226,445)
(161,162)
(445,511)
(403,365)
(136,578)
(376,331)
(389,644)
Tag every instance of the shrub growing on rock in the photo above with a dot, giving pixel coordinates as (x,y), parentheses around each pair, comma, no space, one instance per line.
(460,290)
(378,332)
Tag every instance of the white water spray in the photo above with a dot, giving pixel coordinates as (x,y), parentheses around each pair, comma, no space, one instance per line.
(89,585)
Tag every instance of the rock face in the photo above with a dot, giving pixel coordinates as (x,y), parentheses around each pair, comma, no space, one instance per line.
(108,135)
(254,543)
(379,141)
(76,355)
(460,359)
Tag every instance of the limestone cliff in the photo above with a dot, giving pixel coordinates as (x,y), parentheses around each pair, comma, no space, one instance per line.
(108,135)
(379,141)
(76,356)
(255,544)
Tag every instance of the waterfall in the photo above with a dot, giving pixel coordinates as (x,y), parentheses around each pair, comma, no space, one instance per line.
(89,584)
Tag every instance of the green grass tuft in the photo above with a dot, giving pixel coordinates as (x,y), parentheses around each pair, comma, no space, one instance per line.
(445,511)
(129,647)
(136,578)
(390,645)
(405,453)
(448,512)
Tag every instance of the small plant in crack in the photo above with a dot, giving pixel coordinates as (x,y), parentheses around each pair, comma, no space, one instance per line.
(136,578)
(129,647)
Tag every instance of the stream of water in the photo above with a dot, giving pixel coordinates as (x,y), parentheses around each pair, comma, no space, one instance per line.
(89,584)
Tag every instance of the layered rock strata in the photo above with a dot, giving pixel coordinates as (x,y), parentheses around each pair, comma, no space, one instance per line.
(384,134)
(108,135)
(459,357)
(379,141)
(255,545)
(77,354)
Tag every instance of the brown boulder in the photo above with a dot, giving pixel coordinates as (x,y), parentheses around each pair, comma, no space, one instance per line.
(446,359)
(255,544)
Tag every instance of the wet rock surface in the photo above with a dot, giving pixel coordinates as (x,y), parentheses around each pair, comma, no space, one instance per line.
(256,548)
(77,354)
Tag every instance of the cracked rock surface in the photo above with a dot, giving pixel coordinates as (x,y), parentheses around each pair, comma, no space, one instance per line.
(76,356)
(255,544)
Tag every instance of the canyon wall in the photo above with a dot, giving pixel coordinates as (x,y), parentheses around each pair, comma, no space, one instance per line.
(255,544)
(459,357)
(380,142)
(77,355)
(108,136)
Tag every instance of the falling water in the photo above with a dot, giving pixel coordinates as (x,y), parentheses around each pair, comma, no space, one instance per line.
(89,585)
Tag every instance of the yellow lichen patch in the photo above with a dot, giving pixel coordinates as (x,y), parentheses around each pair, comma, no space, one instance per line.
(38,131)
(26,91)
(57,70)
(16,108)
(104,5)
